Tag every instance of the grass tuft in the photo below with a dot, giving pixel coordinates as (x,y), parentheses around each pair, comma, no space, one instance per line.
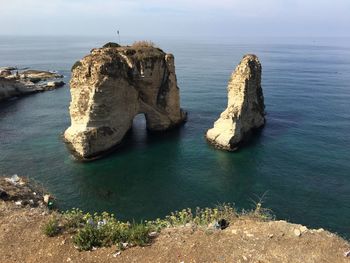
(143,44)
(138,234)
(51,228)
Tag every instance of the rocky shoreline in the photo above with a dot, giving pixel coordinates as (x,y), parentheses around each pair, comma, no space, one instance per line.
(15,82)
(24,192)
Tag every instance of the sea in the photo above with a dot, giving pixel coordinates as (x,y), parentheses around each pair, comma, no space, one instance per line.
(298,165)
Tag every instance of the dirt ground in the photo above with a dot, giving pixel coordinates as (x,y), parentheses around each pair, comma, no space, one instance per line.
(22,240)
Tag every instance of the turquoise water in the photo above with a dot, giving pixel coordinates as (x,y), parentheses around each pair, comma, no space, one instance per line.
(301,159)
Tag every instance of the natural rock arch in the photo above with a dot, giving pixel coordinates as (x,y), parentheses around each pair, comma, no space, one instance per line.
(111,86)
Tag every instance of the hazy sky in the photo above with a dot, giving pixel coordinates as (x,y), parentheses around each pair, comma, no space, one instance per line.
(190,18)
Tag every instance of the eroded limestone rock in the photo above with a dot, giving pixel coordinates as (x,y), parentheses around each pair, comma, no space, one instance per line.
(10,88)
(111,86)
(21,83)
(245,108)
(38,75)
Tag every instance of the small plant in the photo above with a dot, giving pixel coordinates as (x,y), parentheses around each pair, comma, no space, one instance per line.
(51,228)
(143,44)
(111,44)
(74,219)
(88,237)
(138,234)
(145,51)
(201,217)
(259,212)
(105,230)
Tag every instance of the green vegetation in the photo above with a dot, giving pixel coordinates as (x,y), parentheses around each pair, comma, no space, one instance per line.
(76,64)
(143,44)
(74,219)
(104,229)
(146,50)
(51,228)
(111,44)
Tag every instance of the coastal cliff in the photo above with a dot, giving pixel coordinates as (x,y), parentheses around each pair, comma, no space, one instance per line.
(245,108)
(111,86)
(220,234)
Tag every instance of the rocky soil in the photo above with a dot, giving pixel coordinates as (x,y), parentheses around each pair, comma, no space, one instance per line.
(23,192)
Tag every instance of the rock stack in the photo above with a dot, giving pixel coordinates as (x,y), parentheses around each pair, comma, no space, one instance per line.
(245,108)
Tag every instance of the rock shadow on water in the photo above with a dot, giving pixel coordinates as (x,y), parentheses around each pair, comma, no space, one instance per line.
(141,137)
(137,137)
(7,107)
(280,123)
(277,124)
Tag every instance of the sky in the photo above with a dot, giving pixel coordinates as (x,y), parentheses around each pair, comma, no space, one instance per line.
(176,18)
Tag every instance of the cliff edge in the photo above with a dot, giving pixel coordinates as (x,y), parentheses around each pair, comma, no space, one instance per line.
(182,237)
(245,240)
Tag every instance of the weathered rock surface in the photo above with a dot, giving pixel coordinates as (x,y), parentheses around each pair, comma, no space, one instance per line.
(26,82)
(245,108)
(12,88)
(21,190)
(54,84)
(38,75)
(111,86)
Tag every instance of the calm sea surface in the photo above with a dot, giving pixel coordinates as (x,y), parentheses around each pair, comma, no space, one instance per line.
(301,160)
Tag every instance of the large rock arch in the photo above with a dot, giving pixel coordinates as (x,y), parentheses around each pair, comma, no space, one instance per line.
(111,86)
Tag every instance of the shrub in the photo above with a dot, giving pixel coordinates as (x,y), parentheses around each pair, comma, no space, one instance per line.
(146,50)
(201,217)
(88,237)
(112,231)
(259,213)
(74,219)
(111,44)
(143,44)
(51,228)
(104,230)
(138,234)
